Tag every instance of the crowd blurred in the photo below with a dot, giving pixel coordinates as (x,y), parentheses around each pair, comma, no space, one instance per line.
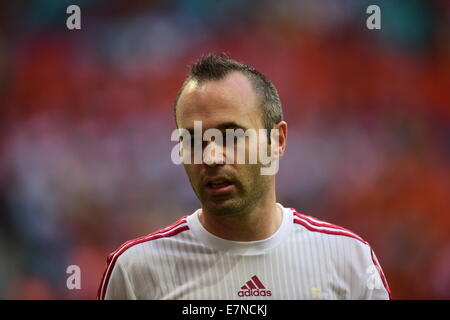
(86,117)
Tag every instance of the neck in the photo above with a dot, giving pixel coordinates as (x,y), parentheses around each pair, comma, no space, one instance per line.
(257,223)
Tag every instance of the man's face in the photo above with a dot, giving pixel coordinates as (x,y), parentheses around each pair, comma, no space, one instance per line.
(230,103)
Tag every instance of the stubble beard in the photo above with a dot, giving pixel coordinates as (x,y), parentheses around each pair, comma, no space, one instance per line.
(244,199)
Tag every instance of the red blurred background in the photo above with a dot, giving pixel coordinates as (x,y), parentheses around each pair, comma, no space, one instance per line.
(86,117)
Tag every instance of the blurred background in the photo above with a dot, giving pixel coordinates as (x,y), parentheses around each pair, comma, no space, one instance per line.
(86,117)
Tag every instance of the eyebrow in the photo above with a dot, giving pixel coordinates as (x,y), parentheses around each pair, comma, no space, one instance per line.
(223,126)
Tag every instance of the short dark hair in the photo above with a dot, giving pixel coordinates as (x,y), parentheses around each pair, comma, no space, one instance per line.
(216,67)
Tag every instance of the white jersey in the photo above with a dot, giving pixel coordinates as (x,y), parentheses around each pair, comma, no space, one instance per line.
(305,259)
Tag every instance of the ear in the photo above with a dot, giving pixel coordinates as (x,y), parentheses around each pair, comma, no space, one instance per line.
(280,134)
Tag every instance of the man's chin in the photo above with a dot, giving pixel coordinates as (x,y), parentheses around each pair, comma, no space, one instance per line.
(222,207)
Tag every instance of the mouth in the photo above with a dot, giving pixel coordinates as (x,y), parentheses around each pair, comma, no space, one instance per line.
(219,186)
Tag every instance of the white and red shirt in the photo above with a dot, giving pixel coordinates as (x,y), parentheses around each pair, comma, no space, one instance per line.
(304,259)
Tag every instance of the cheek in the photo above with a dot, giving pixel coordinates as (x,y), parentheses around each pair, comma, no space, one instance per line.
(250,175)
(192,172)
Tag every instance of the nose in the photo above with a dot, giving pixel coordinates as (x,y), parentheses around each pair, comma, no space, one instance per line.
(213,154)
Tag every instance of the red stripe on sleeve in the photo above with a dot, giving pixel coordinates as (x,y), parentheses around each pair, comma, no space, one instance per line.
(112,258)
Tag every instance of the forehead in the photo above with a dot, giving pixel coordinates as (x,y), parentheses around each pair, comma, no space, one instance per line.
(231,99)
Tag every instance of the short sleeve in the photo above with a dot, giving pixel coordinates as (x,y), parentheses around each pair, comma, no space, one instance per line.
(119,286)
(367,280)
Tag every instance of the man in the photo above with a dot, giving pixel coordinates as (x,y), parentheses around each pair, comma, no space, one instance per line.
(241,243)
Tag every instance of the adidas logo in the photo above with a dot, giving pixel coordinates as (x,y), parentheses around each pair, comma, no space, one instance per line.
(254,288)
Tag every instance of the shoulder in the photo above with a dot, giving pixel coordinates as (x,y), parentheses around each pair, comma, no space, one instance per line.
(339,241)
(131,246)
(133,253)
(365,265)
(326,230)
(343,247)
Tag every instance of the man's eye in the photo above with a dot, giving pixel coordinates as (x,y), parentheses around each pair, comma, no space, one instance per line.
(231,136)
